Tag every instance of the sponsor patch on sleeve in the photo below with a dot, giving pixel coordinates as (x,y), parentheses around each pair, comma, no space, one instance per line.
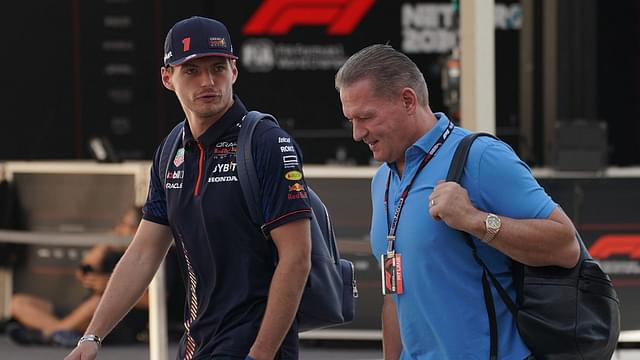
(297,191)
(290,161)
(293,175)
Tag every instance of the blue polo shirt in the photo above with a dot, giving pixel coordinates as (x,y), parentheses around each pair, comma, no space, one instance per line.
(225,261)
(442,313)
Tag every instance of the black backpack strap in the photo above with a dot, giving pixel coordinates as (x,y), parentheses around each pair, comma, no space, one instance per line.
(460,156)
(456,170)
(455,174)
(247,175)
(169,148)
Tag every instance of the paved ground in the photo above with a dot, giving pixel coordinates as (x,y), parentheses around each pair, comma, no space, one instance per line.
(309,351)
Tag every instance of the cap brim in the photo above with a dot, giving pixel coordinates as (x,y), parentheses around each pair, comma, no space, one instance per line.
(197,56)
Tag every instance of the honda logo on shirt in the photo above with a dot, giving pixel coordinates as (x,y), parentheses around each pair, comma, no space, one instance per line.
(278,17)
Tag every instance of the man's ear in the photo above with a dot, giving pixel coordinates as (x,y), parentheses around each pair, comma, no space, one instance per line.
(234,70)
(409,100)
(165,75)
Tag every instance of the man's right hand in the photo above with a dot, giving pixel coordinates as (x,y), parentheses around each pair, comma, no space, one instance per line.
(87,350)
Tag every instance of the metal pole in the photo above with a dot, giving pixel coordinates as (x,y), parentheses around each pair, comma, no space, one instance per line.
(527,67)
(550,73)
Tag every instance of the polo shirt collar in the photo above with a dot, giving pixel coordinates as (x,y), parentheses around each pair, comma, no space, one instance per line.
(220,127)
(424,143)
(430,137)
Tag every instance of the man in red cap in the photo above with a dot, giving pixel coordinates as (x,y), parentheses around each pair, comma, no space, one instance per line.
(242,290)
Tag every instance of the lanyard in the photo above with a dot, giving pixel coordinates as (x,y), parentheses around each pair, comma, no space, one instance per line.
(396,214)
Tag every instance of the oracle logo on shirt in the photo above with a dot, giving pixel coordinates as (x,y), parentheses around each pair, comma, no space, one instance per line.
(225,148)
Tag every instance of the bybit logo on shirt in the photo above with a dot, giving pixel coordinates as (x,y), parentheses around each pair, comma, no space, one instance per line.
(224,168)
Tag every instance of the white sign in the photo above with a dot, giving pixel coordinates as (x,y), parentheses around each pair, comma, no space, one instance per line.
(429,28)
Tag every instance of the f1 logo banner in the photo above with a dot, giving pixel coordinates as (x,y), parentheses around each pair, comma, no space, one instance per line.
(623,244)
(278,17)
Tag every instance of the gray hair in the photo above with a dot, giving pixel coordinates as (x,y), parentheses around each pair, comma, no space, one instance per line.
(388,69)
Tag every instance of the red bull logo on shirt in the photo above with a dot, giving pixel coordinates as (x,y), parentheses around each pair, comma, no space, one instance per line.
(296,191)
(296,187)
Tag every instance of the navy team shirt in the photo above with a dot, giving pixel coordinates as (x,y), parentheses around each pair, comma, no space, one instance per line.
(225,261)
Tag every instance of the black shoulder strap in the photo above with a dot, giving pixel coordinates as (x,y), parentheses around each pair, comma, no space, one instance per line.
(247,175)
(169,148)
(460,157)
(455,174)
(456,170)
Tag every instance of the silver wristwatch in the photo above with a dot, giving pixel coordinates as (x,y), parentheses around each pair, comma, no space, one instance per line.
(90,337)
(492,225)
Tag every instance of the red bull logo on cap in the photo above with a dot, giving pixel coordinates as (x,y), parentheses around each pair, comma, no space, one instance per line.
(296,187)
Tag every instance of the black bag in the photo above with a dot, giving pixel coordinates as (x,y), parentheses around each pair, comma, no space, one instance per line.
(330,293)
(561,314)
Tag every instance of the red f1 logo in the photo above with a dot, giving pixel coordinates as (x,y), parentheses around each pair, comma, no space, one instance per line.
(609,245)
(277,17)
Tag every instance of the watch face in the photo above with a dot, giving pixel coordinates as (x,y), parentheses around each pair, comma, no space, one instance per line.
(493,222)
